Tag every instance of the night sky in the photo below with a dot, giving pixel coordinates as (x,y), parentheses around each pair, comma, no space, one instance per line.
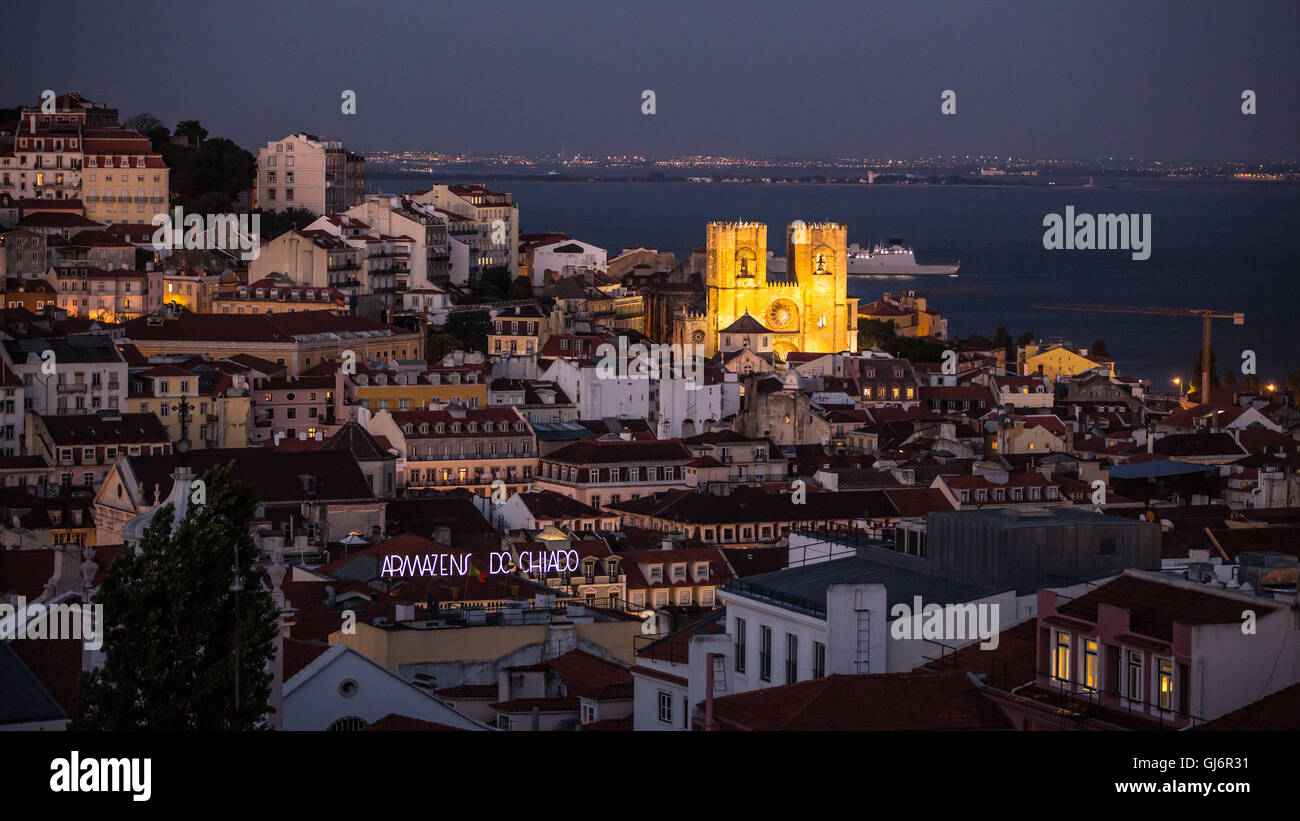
(1155,80)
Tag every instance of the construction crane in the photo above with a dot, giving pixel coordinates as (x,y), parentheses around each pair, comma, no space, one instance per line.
(1206,314)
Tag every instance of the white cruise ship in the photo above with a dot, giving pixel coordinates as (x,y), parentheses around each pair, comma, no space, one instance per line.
(892,260)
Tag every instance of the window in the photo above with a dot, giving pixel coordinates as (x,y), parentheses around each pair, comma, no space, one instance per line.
(1165,683)
(503,722)
(791,658)
(1133,683)
(1090,664)
(1061,658)
(819,660)
(665,707)
(765,653)
(740,630)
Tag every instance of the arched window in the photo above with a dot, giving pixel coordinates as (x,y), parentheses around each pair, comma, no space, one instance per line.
(347,724)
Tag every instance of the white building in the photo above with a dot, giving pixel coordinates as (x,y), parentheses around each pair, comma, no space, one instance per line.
(343,690)
(429,257)
(484,222)
(88,374)
(554,260)
(307,171)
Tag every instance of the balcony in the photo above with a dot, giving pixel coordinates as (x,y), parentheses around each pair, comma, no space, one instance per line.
(344,266)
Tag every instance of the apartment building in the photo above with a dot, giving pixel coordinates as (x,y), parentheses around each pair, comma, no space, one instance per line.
(89,373)
(426,260)
(298,406)
(269,296)
(520,330)
(486,221)
(220,411)
(385,260)
(295,340)
(82,448)
(103,295)
(312,259)
(311,172)
(460,447)
(122,180)
(607,471)
(410,389)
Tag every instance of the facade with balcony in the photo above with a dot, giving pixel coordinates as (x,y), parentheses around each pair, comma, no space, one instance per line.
(597,472)
(101,295)
(1145,651)
(265,296)
(460,447)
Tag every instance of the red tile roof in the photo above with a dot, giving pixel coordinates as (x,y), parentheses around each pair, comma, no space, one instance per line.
(399,723)
(1155,606)
(885,701)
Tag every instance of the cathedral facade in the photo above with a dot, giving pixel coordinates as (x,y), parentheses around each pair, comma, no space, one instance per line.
(806,307)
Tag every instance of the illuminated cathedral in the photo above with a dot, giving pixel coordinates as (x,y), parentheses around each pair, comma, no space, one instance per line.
(806,307)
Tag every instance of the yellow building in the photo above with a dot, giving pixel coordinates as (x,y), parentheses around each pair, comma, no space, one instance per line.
(219,418)
(192,288)
(908,313)
(418,395)
(296,340)
(807,307)
(1060,360)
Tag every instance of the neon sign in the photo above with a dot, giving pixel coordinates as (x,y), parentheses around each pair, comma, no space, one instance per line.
(499,564)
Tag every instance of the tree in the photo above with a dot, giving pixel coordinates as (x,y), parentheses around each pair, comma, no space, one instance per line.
(439,345)
(159,136)
(498,276)
(191,129)
(521,288)
(873,333)
(1194,383)
(915,350)
(1026,338)
(470,328)
(142,123)
(1099,348)
(1003,337)
(275,223)
(1293,387)
(170,624)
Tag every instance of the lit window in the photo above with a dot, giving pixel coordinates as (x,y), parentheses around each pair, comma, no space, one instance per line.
(1090,664)
(1061,659)
(1165,672)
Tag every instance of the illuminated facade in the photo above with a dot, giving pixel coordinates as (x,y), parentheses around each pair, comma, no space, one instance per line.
(807,308)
